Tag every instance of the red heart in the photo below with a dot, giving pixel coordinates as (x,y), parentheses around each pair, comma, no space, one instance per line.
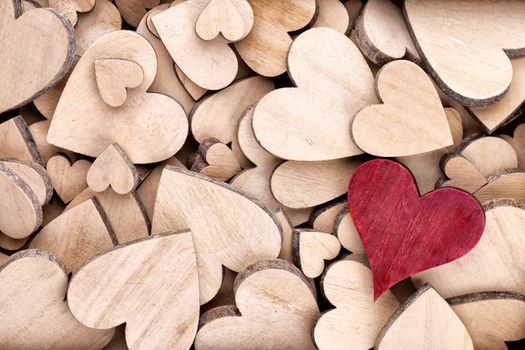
(404,233)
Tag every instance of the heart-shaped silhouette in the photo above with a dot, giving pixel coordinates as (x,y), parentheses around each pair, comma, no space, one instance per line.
(311,248)
(69,179)
(231,18)
(216,160)
(403,233)
(114,76)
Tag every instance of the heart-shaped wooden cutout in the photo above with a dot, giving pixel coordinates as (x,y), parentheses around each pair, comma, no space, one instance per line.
(35,177)
(45,322)
(157,275)
(233,19)
(411,119)
(114,76)
(462,174)
(149,127)
(404,234)
(275,309)
(70,8)
(69,179)
(311,248)
(37,50)
(248,231)
(16,141)
(218,160)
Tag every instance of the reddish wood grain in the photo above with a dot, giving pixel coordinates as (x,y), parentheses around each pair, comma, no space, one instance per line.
(404,233)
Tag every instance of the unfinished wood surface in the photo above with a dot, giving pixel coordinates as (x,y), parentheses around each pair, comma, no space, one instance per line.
(508,183)
(211,64)
(382,33)
(248,231)
(491,318)
(218,160)
(312,121)
(494,264)
(323,217)
(34,175)
(159,273)
(195,91)
(218,115)
(357,319)
(45,322)
(38,132)
(49,38)
(411,119)
(307,184)
(265,49)
(114,169)
(16,141)
(69,179)
(9,243)
(489,154)
(424,321)
(461,173)
(287,232)
(345,231)
(133,10)
(474,69)
(114,77)
(69,8)
(232,19)
(51,210)
(311,248)
(333,14)
(149,127)
(275,309)
(76,235)
(518,143)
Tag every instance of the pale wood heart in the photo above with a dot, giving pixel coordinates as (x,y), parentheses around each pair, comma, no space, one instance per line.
(157,274)
(333,14)
(114,76)
(346,232)
(411,119)
(69,179)
(311,248)
(113,168)
(70,8)
(35,177)
(9,243)
(134,10)
(248,231)
(357,319)
(233,19)
(49,38)
(16,141)
(489,154)
(473,69)
(275,309)
(462,174)
(218,160)
(323,218)
(45,322)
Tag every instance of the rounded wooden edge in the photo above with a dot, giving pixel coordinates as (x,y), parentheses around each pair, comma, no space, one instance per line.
(500,173)
(475,297)
(206,145)
(340,216)
(503,202)
(40,171)
(124,156)
(142,208)
(28,139)
(105,220)
(34,253)
(218,312)
(18,9)
(366,46)
(326,206)
(345,258)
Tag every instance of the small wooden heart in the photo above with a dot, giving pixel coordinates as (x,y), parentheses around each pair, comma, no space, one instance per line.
(69,179)
(218,160)
(311,248)
(233,19)
(114,76)
(70,8)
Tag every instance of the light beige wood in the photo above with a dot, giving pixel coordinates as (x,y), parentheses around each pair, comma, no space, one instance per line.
(266,47)
(356,320)
(287,232)
(76,235)
(149,127)
(491,318)
(505,184)
(154,11)
(16,141)
(34,175)
(114,77)
(133,10)
(158,273)
(232,19)
(489,154)
(218,115)
(311,248)
(474,69)
(307,184)
(275,309)
(195,91)
(69,8)
(45,322)
(462,174)
(49,38)
(69,179)
(411,119)
(346,232)
(494,264)
(324,217)
(9,243)
(312,121)
(218,160)
(51,210)
(424,321)
(248,231)
(518,143)
(248,142)
(104,18)
(333,14)
(39,132)
(209,64)
(114,169)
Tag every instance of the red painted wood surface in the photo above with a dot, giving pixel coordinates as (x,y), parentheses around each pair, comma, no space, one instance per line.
(404,233)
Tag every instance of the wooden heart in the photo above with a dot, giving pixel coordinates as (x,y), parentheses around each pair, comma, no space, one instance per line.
(157,275)
(134,10)
(248,231)
(16,141)
(69,179)
(333,14)
(113,168)
(424,321)
(323,218)
(149,127)
(312,121)
(311,248)
(45,322)
(275,309)
(218,160)
(114,76)
(70,8)
(35,177)
(49,38)
(473,69)
(403,233)
(233,19)
(411,119)
(357,319)
(462,174)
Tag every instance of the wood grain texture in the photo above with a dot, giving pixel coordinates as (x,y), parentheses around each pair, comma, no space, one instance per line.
(275,309)
(17,142)
(333,14)
(69,8)
(311,248)
(217,160)
(345,231)
(489,154)
(50,39)
(232,19)
(69,179)
(159,273)
(422,232)
(38,132)
(424,321)
(133,10)
(248,231)
(474,69)
(518,143)
(35,177)
(45,322)
(357,319)
(114,77)
(323,217)
(504,184)
(462,174)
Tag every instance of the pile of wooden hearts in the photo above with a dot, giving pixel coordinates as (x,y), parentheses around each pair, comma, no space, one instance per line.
(217,176)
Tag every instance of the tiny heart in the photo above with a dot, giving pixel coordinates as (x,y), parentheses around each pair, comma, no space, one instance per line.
(218,160)
(311,248)
(411,119)
(231,18)
(114,76)
(403,233)
(69,179)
